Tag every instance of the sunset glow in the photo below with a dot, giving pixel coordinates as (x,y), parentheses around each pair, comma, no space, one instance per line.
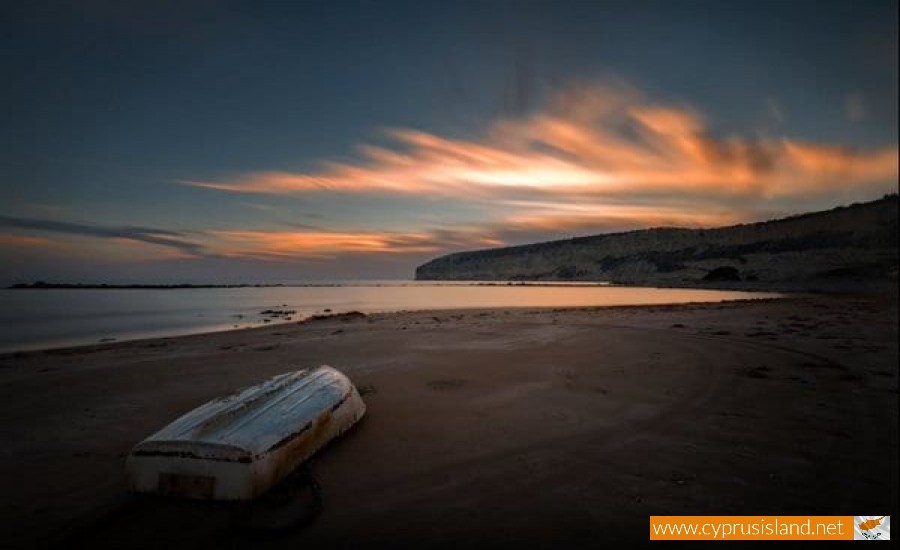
(281,245)
(13,241)
(339,150)
(582,149)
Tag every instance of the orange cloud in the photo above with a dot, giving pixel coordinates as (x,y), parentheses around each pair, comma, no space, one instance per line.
(16,241)
(834,166)
(584,219)
(297,245)
(602,140)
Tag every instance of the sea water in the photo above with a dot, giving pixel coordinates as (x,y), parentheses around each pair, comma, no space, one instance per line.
(35,319)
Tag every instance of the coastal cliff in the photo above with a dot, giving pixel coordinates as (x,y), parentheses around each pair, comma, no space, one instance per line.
(857,242)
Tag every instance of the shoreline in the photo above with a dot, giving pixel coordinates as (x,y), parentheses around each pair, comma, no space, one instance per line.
(757,406)
(275,322)
(833,288)
(225,318)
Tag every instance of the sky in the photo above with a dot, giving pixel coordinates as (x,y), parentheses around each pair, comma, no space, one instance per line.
(226,142)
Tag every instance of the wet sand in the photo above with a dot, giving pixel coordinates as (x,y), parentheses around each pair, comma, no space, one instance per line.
(496,427)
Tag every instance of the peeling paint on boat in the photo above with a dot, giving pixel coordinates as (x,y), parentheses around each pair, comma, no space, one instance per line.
(239,446)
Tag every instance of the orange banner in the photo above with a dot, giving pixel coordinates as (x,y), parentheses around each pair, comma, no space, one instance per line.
(751,527)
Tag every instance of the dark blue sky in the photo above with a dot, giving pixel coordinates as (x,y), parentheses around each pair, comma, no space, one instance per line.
(110,107)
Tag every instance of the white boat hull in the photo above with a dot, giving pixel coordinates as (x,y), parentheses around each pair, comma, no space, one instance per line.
(238,447)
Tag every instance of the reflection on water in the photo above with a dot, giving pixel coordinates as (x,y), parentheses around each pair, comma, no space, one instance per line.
(31,319)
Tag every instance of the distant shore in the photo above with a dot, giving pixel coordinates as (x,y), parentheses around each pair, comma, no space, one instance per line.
(853,242)
(825,285)
(548,426)
(41,285)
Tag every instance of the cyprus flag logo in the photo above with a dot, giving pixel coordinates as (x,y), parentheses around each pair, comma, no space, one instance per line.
(872,527)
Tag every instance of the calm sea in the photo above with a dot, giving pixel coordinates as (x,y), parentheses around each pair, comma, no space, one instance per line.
(35,319)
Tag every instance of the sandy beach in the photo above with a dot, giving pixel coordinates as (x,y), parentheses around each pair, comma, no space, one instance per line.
(489,427)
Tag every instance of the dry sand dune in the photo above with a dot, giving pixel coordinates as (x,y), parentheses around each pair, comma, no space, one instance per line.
(499,427)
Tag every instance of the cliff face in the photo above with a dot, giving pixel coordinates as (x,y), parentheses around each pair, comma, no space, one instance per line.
(858,241)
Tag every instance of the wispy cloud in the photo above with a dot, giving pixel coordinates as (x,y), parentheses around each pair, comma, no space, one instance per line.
(596,158)
(321,245)
(299,244)
(775,110)
(601,140)
(16,241)
(855,107)
(557,217)
(160,237)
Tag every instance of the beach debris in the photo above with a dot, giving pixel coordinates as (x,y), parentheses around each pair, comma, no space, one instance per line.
(238,447)
(278,312)
(344,317)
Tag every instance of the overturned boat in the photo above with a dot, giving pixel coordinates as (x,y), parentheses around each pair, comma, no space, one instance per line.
(237,447)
